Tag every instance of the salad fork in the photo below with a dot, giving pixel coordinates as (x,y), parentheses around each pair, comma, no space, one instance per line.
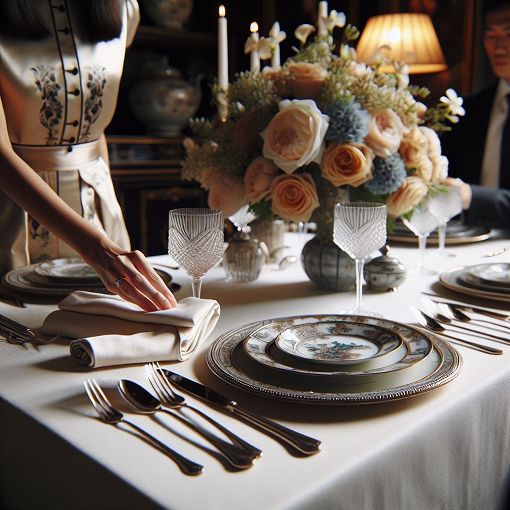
(169,397)
(112,416)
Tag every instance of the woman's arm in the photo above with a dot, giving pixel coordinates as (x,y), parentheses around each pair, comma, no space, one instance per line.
(140,283)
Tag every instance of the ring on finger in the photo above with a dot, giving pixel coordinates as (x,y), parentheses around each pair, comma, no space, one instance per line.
(118,282)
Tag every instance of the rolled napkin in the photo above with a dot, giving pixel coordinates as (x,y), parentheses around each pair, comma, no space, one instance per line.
(111,331)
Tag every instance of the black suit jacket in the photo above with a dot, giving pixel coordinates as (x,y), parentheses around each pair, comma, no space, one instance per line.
(464,147)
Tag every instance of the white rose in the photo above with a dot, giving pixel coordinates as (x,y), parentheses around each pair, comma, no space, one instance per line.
(294,136)
(385,131)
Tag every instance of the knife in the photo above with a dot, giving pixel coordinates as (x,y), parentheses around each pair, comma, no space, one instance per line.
(305,444)
(482,311)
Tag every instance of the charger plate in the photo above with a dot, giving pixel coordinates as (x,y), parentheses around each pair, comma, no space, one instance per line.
(341,343)
(260,347)
(456,233)
(71,270)
(442,365)
(450,280)
(469,280)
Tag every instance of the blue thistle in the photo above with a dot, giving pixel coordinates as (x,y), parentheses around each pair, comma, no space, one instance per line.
(348,122)
(388,175)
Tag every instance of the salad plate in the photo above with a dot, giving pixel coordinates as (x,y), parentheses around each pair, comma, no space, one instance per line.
(497,275)
(70,270)
(341,343)
(228,360)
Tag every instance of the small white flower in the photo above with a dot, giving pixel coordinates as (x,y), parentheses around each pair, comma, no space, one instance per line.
(250,45)
(454,103)
(335,19)
(303,31)
(276,35)
(402,74)
(265,48)
(347,52)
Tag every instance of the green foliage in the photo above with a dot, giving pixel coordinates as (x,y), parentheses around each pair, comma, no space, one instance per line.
(251,90)
(262,209)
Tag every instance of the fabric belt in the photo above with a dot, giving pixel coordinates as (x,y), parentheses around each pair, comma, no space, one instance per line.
(58,157)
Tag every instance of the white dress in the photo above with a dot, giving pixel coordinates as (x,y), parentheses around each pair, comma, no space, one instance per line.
(59,94)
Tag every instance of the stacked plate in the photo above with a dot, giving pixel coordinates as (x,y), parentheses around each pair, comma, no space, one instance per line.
(490,281)
(334,359)
(58,277)
(456,233)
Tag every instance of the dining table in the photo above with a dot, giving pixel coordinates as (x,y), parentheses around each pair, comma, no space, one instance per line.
(448,448)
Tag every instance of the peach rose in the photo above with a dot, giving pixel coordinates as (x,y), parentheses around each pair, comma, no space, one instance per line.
(408,196)
(440,169)
(306,79)
(413,146)
(424,168)
(385,130)
(433,143)
(257,179)
(294,136)
(227,195)
(294,197)
(348,163)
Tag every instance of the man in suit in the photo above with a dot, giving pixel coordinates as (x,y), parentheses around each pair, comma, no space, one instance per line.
(478,149)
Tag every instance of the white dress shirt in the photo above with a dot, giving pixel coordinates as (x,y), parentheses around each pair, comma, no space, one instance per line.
(491,157)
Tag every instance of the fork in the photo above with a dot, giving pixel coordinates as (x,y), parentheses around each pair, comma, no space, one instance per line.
(112,416)
(169,397)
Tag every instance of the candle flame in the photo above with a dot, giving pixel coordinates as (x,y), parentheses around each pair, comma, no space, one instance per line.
(254,27)
(221,11)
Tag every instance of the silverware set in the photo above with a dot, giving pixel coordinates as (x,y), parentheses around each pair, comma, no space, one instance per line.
(17,333)
(445,318)
(238,453)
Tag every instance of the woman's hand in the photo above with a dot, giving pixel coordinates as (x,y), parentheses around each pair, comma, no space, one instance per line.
(130,275)
(464,189)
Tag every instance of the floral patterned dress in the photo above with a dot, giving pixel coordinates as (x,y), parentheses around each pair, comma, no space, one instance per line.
(59,94)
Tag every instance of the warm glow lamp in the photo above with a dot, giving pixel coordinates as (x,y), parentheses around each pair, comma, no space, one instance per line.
(407,37)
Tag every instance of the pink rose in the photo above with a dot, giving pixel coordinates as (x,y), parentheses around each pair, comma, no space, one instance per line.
(258,177)
(385,131)
(227,195)
(294,197)
(306,79)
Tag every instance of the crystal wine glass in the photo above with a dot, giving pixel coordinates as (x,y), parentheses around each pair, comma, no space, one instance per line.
(444,206)
(421,223)
(359,229)
(195,241)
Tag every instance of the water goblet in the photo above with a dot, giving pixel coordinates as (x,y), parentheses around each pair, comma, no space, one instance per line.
(421,223)
(359,229)
(195,241)
(444,206)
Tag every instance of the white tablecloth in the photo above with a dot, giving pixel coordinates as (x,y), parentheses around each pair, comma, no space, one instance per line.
(448,449)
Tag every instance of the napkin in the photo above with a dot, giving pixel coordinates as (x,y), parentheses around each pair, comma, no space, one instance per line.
(111,331)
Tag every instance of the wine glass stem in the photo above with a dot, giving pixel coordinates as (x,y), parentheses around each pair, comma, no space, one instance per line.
(422,243)
(359,285)
(196,285)
(441,233)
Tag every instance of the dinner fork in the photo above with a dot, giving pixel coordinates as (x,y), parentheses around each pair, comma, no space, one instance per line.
(169,397)
(112,416)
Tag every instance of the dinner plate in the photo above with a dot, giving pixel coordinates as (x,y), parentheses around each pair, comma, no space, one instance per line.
(19,281)
(450,280)
(466,278)
(456,233)
(259,347)
(443,365)
(497,274)
(340,343)
(70,270)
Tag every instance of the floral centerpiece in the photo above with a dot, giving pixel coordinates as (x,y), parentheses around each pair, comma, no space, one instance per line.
(295,137)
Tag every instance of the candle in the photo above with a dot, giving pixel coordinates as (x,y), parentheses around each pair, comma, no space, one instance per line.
(254,54)
(275,34)
(222,50)
(321,19)
(222,64)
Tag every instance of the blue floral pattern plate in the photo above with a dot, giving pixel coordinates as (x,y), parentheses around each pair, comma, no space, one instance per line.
(341,343)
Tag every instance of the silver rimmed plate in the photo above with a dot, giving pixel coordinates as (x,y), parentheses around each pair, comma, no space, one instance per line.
(450,279)
(497,275)
(441,367)
(341,343)
(469,280)
(259,346)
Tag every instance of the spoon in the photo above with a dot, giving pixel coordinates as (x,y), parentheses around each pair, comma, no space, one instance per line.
(141,401)
(463,317)
(429,323)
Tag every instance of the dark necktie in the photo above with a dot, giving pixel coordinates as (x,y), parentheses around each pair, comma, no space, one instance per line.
(504,162)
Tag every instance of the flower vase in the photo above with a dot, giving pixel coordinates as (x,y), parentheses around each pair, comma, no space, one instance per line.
(327,265)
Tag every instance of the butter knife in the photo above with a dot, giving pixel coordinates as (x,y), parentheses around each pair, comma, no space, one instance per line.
(305,444)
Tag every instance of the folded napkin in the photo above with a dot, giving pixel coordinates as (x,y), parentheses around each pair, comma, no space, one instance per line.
(111,331)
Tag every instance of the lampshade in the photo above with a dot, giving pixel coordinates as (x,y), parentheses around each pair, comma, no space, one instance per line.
(408,38)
